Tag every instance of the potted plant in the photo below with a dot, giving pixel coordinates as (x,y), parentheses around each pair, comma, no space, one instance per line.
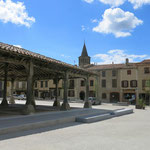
(140,104)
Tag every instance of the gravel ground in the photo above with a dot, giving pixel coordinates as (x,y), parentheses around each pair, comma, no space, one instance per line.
(130,132)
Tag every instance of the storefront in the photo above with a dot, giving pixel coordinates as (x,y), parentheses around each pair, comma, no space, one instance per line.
(114,97)
(129,95)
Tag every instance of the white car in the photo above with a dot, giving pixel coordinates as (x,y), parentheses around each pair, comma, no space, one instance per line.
(94,101)
(20,97)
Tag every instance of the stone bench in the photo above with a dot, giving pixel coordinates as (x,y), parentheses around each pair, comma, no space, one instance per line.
(121,112)
(93,118)
(99,117)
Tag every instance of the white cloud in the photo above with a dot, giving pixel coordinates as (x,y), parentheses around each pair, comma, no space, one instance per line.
(117,56)
(15,13)
(117,22)
(65,56)
(18,46)
(89,1)
(94,20)
(82,28)
(139,3)
(113,3)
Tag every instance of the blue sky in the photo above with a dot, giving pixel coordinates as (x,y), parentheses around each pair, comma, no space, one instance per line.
(112,29)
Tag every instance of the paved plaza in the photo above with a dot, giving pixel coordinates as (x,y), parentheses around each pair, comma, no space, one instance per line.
(129,132)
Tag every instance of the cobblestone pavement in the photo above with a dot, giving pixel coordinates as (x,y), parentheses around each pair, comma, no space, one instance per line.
(130,132)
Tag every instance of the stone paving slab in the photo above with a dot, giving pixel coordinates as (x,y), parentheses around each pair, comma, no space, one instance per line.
(14,124)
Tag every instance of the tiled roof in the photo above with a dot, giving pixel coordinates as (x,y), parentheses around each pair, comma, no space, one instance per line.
(109,66)
(146,61)
(26,53)
(116,66)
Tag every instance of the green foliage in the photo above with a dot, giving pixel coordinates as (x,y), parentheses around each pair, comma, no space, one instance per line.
(141,103)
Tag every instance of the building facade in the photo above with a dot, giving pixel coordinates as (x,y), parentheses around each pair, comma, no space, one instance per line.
(117,82)
(123,82)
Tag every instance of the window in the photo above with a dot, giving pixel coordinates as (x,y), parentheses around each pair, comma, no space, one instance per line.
(46,83)
(92,94)
(71,93)
(23,85)
(125,83)
(103,83)
(17,85)
(146,70)
(128,72)
(82,83)
(71,84)
(143,83)
(104,96)
(35,84)
(113,73)
(147,84)
(20,85)
(133,83)
(54,81)
(91,82)
(41,84)
(114,83)
(103,74)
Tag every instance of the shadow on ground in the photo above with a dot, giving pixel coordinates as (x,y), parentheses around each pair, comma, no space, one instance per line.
(17,109)
(37,131)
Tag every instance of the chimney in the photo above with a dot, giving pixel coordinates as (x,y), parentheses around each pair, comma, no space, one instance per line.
(127,61)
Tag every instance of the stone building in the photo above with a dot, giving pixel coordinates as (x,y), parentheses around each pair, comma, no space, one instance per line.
(121,82)
(20,87)
(47,89)
(116,82)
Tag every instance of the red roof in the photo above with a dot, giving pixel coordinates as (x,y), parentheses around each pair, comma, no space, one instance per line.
(146,61)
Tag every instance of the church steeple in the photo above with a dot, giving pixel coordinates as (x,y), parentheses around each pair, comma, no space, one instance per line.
(84,51)
(84,59)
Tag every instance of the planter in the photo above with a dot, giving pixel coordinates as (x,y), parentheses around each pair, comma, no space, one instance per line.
(139,107)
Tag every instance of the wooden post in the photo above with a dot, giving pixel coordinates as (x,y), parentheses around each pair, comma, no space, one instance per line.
(30,103)
(65,104)
(4,101)
(87,103)
(12,101)
(56,102)
(98,89)
(66,88)
(87,88)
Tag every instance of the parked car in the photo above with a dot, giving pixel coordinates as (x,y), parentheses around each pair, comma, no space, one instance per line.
(94,101)
(19,97)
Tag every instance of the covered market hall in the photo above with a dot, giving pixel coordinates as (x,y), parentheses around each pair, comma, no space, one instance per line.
(18,64)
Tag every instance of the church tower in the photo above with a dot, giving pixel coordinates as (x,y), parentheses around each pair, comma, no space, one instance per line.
(84,59)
